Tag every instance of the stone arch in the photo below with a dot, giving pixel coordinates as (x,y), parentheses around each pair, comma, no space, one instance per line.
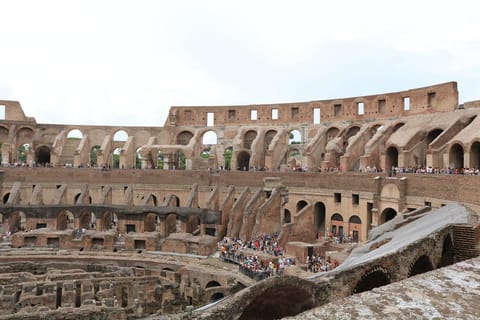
(391,158)
(24,138)
(94,151)
(354,225)
(248,138)
(301,204)
(432,135)
(193,223)
(87,220)
(5,197)
(170,224)
(109,220)
(174,201)
(352,131)
(372,279)
(243,160)
(42,155)
(282,298)
(269,136)
(227,157)
(397,126)
(456,155)
(22,152)
(209,138)
(448,252)
(75,134)
(184,137)
(295,137)
(387,215)
(337,217)
(332,133)
(420,265)
(287,216)
(319,212)
(212,284)
(65,220)
(116,158)
(475,155)
(151,222)
(17,221)
(337,223)
(217,296)
(120,135)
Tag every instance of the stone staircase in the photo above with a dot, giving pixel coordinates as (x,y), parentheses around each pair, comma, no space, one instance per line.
(68,151)
(466,241)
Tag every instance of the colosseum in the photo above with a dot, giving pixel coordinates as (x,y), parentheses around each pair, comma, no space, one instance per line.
(108,222)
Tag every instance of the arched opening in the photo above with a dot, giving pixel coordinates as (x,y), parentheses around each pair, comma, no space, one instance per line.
(94,151)
(139,159)
(301,204)
(456,156)
(120,135)
(171,224)
(151,222)
(227,157)
(294,137)
(109,221)
(75,134)
(248,138)
(42,155)
(193,224)
(475,155)
(448,253)
(116,158)
(391,158)
(184,138)
(337,224)
(352,131)
(287,217)
(23,152)
(278,302)
(209,138)
(387,215)
(332,133)
(87,220)
(243,161)
(319,218)
(65,220)
(372,280)
(421,265)
(432,135)
(181,162)
(17,221)
(160,161)
(75,199)
(354,225)
(216,296)
(174,201)
(293,159)
(269,135)
(212,284)
(397,126)
(5,197)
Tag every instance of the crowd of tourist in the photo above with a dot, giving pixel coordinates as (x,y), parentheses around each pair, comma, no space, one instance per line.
(320,264)
(257,258)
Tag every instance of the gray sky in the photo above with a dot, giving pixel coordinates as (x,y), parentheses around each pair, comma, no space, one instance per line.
(126,62)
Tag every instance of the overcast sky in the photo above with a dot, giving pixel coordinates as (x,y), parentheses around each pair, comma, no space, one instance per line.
(126,62)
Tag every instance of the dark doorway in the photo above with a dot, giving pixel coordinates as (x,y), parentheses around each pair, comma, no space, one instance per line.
(42,155)
(422,265)
(243,161)
(372,280)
